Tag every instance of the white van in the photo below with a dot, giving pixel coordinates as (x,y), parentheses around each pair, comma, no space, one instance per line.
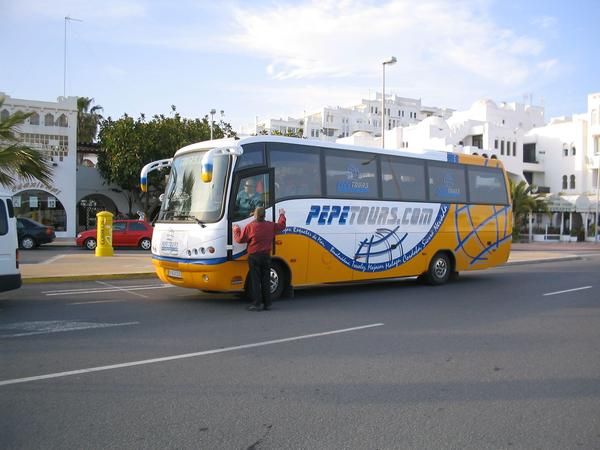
(10,277)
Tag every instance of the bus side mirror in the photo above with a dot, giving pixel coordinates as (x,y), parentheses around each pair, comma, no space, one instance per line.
(207,160)
(207,172)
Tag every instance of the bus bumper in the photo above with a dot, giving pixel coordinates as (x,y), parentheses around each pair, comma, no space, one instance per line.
(226,277)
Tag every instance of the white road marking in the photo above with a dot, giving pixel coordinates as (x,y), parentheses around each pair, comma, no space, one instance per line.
(51,260)
(569,290)
(106,289)
(122,289)
(184,356)
(94,302)
(54,326)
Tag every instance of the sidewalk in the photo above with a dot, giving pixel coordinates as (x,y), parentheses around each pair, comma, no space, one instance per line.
(86,266)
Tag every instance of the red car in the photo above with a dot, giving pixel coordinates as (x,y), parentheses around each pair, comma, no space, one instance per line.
(126,233)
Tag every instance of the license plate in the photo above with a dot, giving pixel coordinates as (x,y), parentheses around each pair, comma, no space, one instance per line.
(174,273)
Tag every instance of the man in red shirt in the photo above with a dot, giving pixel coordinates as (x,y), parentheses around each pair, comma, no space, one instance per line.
(259,236)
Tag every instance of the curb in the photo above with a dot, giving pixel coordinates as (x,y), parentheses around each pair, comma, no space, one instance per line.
(543,260)
(108,276)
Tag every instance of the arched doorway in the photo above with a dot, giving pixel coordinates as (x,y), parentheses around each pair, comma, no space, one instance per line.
(42,207)
(89,206)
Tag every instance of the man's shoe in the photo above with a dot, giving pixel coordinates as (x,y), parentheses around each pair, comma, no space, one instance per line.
(267,308)
(253,308)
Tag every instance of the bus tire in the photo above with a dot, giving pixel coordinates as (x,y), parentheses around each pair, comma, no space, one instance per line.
(278,280)
(440,269)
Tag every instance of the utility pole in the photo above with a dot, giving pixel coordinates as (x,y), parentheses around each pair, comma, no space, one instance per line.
(67,19)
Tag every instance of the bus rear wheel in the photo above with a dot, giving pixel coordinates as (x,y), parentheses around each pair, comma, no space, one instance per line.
(440,269)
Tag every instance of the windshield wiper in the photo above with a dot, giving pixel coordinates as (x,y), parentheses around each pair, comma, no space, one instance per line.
(187,216)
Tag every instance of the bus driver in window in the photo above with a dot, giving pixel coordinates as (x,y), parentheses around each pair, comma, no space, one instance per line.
(248,199)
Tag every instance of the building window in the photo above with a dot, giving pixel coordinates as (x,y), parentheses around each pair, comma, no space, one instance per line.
(564,184)
(565,151)
(4,114)
(502,147)
(573,151)
(529,153)
(496,144)
(514,149)
(34,119)
(49,120)
(572,184)
(63,121)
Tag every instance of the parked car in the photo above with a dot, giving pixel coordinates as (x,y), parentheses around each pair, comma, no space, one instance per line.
(126,233)
(32,234)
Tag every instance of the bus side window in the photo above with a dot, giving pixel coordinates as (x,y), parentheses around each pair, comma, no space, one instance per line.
(447,183)
(297,170)
(351,175)
(252,192)
(403,179)
(253,156)
(486,185)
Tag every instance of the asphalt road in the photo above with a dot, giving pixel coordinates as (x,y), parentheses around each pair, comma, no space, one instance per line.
(506,358)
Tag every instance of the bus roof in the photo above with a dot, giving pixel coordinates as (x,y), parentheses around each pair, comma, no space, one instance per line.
(436,155)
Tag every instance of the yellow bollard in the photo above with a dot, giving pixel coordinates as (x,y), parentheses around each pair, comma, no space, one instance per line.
(104,221)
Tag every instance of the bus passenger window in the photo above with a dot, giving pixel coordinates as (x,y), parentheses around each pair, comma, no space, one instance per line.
(487,185)
(297,170)
(447,183)
(351,176)
(403,179)
(253,156)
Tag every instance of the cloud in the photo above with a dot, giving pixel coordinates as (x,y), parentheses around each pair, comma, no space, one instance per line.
(545,22)
(326,38)
(87,10)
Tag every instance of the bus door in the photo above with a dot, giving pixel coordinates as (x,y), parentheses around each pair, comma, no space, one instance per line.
(250,189)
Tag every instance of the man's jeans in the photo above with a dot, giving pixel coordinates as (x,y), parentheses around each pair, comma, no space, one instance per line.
(260,279)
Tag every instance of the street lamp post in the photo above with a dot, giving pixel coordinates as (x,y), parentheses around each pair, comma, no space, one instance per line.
(212,121)
(390,61)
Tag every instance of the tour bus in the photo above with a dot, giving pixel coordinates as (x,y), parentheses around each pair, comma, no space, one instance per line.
(353,213)
(10,277)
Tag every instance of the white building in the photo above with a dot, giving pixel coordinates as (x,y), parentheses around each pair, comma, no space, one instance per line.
(561,158)
(51,129)
(77,191)
(331,123)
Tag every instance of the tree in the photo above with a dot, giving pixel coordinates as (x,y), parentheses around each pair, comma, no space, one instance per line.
(126,145)
(88,120)
(524,202)
(17,159)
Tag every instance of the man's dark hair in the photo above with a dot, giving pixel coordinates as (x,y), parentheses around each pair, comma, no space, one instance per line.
(259,214)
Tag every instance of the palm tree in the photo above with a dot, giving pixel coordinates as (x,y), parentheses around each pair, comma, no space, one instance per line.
(87,120)
(524,201)
(18,160)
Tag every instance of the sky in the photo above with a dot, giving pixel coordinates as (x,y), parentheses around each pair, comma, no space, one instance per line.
(256,60)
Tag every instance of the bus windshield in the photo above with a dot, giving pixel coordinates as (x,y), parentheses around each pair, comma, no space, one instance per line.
(187,197)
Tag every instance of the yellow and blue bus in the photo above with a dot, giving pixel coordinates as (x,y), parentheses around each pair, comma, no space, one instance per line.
(353,213)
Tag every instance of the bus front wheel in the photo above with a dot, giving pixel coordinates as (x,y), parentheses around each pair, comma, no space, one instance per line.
(278,280)
(440,269)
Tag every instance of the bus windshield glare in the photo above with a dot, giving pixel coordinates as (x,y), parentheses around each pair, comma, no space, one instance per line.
(187,197)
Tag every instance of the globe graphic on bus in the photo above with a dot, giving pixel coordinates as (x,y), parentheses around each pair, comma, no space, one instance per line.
(384,245)
(479,230)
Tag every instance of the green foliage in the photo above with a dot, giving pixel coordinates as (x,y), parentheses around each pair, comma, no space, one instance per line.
(288,133)
(88,120)
(524,202)
(127,144)
(18,159)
